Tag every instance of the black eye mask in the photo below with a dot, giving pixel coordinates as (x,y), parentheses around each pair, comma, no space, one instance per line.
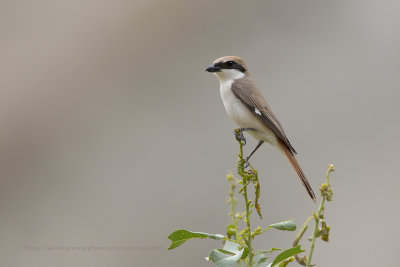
(230,65)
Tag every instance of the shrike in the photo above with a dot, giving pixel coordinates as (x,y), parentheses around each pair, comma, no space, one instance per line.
(247,107)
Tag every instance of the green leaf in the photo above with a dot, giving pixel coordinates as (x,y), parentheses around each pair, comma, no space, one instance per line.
(226,252)
(227,256)
(231,247)
(286,262)
(269,251)
(181,236)
(260,261)
(288,225)
(224,260)
(245,253)
(287,254)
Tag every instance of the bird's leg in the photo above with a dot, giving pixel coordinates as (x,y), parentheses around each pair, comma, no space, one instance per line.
(239,136)
(246,163)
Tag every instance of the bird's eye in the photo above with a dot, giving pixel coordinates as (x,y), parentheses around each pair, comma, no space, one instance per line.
(229,63)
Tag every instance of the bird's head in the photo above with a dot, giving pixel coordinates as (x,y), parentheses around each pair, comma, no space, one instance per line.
(228,68)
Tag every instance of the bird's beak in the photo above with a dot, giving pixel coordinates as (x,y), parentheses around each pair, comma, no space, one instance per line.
(212,68)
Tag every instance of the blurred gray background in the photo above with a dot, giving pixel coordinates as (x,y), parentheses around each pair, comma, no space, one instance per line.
(112,134)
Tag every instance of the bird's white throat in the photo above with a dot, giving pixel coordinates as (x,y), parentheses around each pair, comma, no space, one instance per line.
(228,76)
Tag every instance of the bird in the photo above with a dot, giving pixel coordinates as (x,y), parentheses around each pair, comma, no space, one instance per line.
(247,107)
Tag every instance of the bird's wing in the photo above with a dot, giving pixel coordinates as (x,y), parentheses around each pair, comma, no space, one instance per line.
(248,93)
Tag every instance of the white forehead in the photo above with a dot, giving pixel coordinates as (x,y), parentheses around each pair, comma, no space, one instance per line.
(229,74)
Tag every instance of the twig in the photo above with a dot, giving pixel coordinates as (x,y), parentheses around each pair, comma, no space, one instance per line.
(326,193)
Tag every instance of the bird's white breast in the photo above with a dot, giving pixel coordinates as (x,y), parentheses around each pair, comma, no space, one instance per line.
(236,110)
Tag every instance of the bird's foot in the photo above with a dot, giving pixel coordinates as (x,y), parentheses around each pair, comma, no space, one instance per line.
(239,134)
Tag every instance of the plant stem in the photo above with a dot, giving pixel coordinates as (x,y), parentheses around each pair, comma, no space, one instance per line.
(301,260)
(233,201)
(316,218)
(248,241)
(245,181)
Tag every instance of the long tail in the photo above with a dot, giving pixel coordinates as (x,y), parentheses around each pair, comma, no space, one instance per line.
(296,167)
